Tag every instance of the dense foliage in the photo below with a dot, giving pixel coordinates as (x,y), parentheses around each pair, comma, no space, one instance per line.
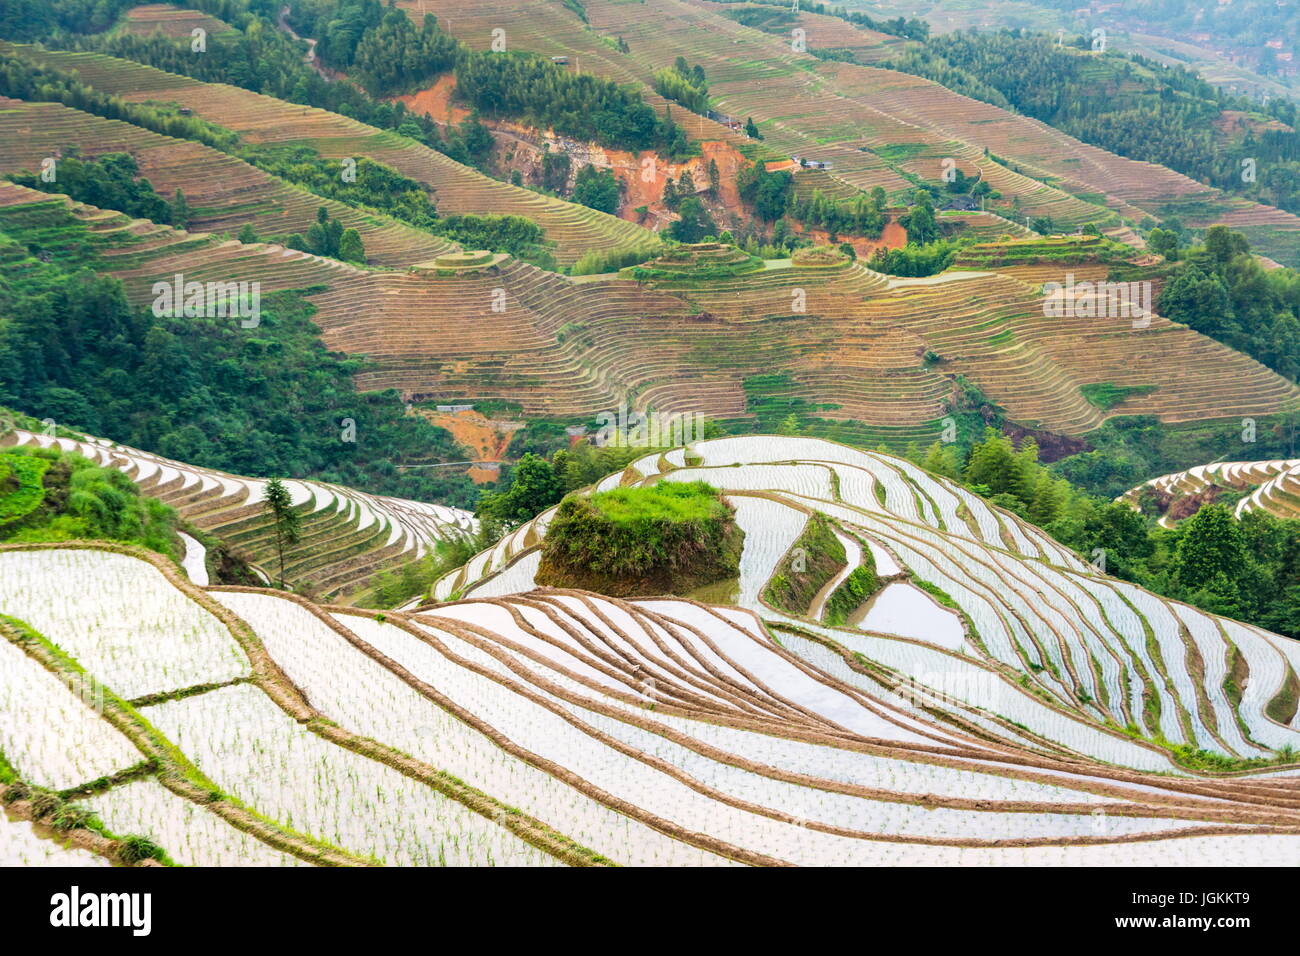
(533,89)
(693,222)
(377,45)
(769,192)
(859,216)
(685,84)
(665,538)
(1126,104)
(69,497)
(597,188)
(915,260)
(263,401)
(110,181)
(1223,292)
(368,184)
(327,237)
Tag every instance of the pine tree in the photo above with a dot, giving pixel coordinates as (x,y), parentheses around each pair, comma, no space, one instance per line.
(181,213)
(351,248)
(286,520)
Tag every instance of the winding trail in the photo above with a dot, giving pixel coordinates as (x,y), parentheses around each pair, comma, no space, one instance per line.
(310,58)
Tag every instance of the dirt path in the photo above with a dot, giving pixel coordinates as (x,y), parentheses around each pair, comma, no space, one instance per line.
(853,553)
(310,58)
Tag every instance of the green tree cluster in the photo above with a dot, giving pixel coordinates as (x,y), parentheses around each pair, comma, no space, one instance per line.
(1222,291)
(860,215)
(264,401)
(109,181)
(684,84)
(768,192)
(328,237)
(80,500)
(597,189)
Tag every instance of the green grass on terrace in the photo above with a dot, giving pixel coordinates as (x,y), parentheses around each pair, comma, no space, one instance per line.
(666,501)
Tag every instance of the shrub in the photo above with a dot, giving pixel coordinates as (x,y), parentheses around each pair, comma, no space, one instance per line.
(666,538)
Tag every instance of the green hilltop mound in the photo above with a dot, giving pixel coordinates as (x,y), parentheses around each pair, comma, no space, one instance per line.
(692,263)
(667,538)
(820,257)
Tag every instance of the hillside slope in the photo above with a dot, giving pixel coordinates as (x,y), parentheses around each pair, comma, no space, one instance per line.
(264,120)
(1042,650)
(874,125)
(347,536)
(224,192)
(988,700)
(864,348)
(1273,486)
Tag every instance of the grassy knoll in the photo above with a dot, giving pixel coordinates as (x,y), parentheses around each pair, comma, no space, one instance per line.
(50,495)
(667,538)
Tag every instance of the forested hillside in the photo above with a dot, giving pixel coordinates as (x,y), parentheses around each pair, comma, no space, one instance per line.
(1129,105)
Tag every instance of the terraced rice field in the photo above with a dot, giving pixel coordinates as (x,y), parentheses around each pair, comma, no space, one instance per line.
(872,124)
(347,536)
(571,229)
(567,348)
(1274,487)
(140,252)
(170,21)
(552,727)
(224,193)
(858,345)
(1036,647)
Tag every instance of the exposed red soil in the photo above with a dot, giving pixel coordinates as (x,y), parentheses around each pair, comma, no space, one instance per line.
(481,437)
(482,475)
(436,101)
(649,192)
(477,434)
(893,236)
(1051,445)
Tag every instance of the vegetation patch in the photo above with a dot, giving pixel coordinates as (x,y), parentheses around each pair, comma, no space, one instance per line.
(813,560)
(706,260)
(1282,707)
(1107,395)
(62,496)
(861,583)
(21,488)
(668,538)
